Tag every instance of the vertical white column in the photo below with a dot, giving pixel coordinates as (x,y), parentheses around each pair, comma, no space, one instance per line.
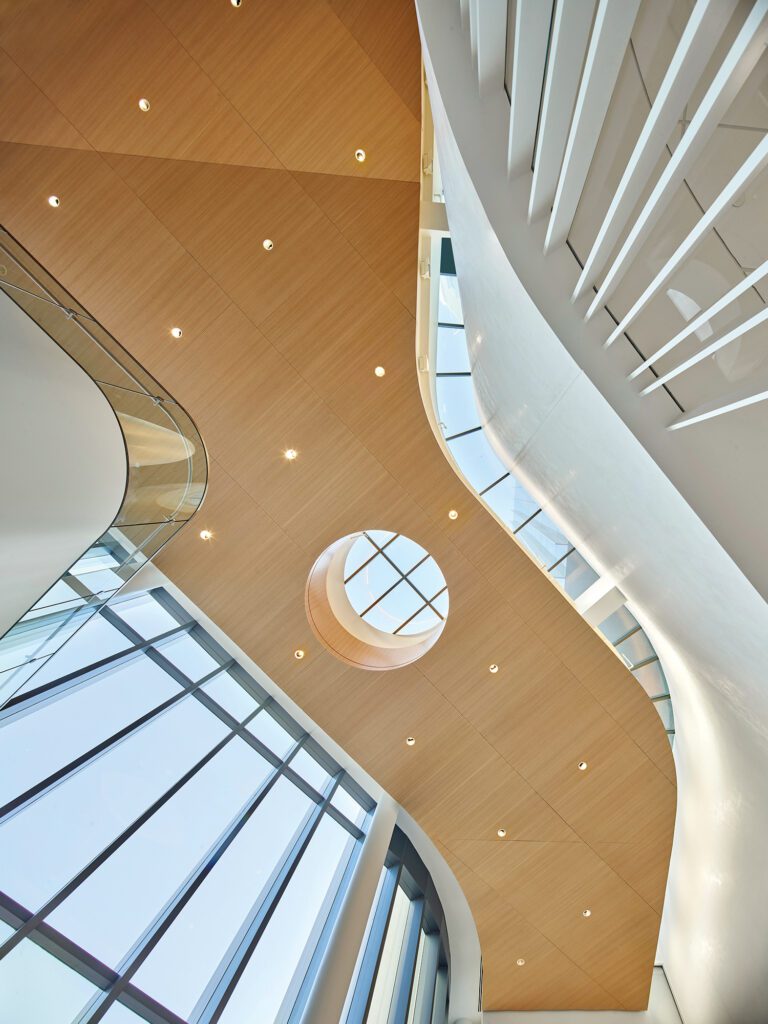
(329,991)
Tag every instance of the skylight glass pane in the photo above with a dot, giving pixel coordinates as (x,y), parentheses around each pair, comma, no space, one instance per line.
(511,502)
(95,558)
(33,746)
(119,1014)
(664,708)
(652,679)
(380,537)
(101,580)
(426,619)
(349,807)
(358,554)
(111,909)
(310,770)
(188,656)
(146,615)
(60,594)
(636,647)
(36,988)
(267,729)
(231,696)
(405,553)
(441,603)
(449,308)
(543,539)
(44,845)
(96,640)
(452,352)
(394,609)
(617,624)
(577,574)
(179,968)
(427,578)
(477,460)
(386,974)
(294,929)
(456,406)
(370,583)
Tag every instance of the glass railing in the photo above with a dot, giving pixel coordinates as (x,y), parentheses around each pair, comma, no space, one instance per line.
(465,441)
(167,469)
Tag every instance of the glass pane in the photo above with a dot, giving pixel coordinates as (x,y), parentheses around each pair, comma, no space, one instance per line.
(456,407)
(178,970)
(416,976)
(39,989)
(44,845)
(477,460)
(119,1014)
(111,909)
(405,553)
(370,583)
(426,619)
(383,989)
(33,746)
(576,574)
(617,624)
(231,696)
(543,539)
(349,807)
(96,640)
(310,770)
(449,308)
(293,931)
(146,615)
(267,729)
(511,502)
(427,579)
(636,648)
(452,351)
(188,656)
(652,679)
(398,605)
(358,554)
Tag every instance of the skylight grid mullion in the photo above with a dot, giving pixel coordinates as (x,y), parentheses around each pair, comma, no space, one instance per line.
(464,433)
(100,1003)
(443,323)
(405,575)
(525,522)
(625,636)
(562,558)
(378,551)
(491,486)
(454,373)
(29,701)
(22,800)
(211,1012)
(412,617)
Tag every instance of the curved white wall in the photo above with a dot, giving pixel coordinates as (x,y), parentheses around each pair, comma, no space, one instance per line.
(557,432)
(64,463)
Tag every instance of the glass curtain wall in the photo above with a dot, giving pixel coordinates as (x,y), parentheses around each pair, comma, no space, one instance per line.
(173,846)
(460,424)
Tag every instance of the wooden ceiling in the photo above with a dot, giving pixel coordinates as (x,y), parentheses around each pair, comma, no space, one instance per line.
(255,116)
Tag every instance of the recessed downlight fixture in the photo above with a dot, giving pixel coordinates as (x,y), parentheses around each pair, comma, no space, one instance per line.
(493,669)
(206,535)
(586,913)
(298,654)
(583,766)
(379,371)
(501,832)
(520,962)
(291,454)
(453,514)
(236,3)
(176,332)
(54,201)
(359,155)
(268,244)
(410,740)
(144,104)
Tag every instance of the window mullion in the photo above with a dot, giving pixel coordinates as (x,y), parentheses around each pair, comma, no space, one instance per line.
(369,966)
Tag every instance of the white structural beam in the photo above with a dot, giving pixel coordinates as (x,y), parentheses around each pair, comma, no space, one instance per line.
(733,72)
(570,35)
(491,44)
(473,18)
(607,46)
(529,58)
(736,400)
(752,166)
(696,46)
(708,314)
(737,332)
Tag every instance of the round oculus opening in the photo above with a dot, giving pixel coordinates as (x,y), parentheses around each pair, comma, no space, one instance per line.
(377,599)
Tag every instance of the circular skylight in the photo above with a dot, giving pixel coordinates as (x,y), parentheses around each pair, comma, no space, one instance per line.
(394,584)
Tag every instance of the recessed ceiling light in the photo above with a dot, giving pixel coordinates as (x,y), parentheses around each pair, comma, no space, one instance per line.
(206,534)
(176,332)
(586,913)
(53,201)
(291,454)
(379,371)
(493,669)
(144,104)
(582,766)
(453,514)
(501,832)
(520,962)
(359,155)
(410,740)
(268,244)
(298,654)
(236,3)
